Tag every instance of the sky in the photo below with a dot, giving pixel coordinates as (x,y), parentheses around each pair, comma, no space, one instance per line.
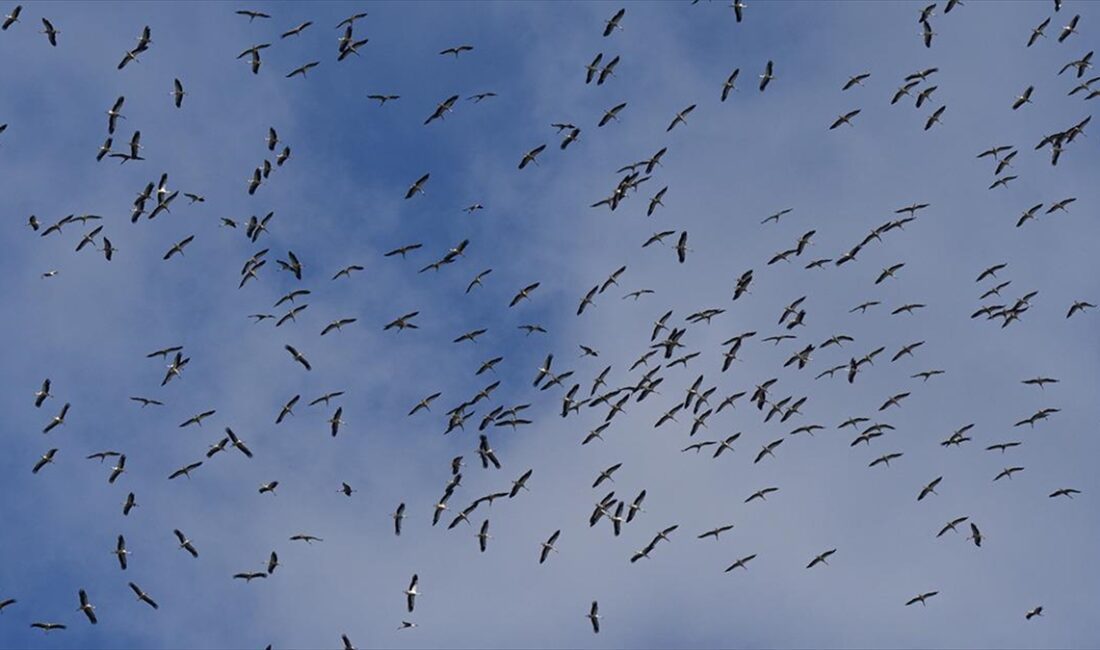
(339,200)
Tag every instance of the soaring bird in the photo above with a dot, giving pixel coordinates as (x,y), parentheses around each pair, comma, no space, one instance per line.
(845,118)
(921,598)
(742,563)
(821,559)
(1064,492)
(252,15)
(1024,98)
(457,50)
(417,188)
(975,535)
(50,31)
(177,95)
(46,459)
(856,80)
(412,592)
(611,114)
(530,156)
(929,489)
(11,19)
(729,84)
(58,419)
(548,546)
(593,615)
(302,70)
(441,110)
(42,393)
(143,597)
(296,30)
(613,24)
(120,552)
(681,118)
(185,470)
(768,75)
(87,607)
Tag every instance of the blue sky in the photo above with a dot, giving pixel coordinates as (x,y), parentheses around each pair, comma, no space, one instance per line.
(339,200)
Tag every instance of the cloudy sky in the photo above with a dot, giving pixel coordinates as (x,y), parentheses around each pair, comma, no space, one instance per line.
(339,200)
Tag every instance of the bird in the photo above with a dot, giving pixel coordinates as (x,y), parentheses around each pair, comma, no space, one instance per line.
(1079,306)
(593,615)
(120,552)
(412,592)
(417,188)
(118,469)
(337,325)
(402,322)
(12,18)
(185,470)
(457,50)
(885,459)
(821,559)
(185,543)
(768,75)
(295,31)
(738,9)
(845,118)
(767,450)
(741,563)
(58,419)
(46,459)
(1033,612)
(178,247)
(934,118)
(930,488)
(950,526)
(681,117)
(611,114)
(441,109)
(548,546)
(1037,32)
(1064,492)
(142,596)
(113,115)
(613,24)
(197,418)
(483,535)
(1069,29)
(927,33)
(424,404)
(1024,98)
(129,504)
(975,535)
(524,293)
(87,607)
(252,15)
(50,31)
(530,156)
(335,421)
(42,393)
(303,69)
(856,80)
(730,83)
(921,598)
(681,247)
(398,516)
(177,98)
(761,494)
